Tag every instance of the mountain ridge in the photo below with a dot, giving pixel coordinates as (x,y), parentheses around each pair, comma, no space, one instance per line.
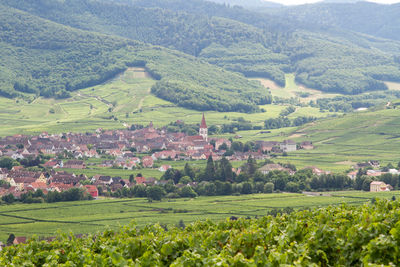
(50,59)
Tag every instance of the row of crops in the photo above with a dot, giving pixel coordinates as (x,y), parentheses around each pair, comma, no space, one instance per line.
(334,236)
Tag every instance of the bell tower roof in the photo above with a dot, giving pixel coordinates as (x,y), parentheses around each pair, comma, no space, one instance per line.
(203,122)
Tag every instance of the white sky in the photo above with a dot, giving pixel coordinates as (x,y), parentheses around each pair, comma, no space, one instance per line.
(299,2)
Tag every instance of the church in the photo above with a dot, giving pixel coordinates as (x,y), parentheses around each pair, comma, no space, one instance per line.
(203,130)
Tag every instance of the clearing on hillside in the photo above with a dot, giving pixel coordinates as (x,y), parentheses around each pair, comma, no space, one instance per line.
(292,89)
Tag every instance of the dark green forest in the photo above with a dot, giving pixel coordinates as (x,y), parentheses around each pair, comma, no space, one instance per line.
(48,59)
(240,40)
(365,17)
(51,57)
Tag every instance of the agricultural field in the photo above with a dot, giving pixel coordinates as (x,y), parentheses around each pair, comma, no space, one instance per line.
(126,99)
(116,104)
(353,138)
(86,110)
(97,215)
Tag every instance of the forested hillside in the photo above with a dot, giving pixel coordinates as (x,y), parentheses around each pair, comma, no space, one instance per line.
(255,44)
(42,57)
(365,17)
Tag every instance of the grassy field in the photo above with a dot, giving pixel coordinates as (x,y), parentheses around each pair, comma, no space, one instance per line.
(97,215)
(352,138)
(292,89)
(115,105)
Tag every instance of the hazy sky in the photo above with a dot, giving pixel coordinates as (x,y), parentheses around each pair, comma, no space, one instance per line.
(298,2)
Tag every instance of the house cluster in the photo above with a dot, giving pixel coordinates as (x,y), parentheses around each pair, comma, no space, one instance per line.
(285,146)
(373,169)
(20,181)
(120,143)
(267,168)
(120,148)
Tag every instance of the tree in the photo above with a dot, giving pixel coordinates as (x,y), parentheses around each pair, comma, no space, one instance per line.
(19,146)
(269,187)
(210,189)
(155,192)
(10,239)
(246,188)
(366,184)
(292,187)
(139,190)
(181,224)
(187,191)
(251,166)
(188,171)
(280,182)
(237,146)
(224,170)
(8,198)
(8,163)
(100,190)
(131,178)
(73,194)
(172,174)
(224,146)
(39,193)
(210,169)
(185,180)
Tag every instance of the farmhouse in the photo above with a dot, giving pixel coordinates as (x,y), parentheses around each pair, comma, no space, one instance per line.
(92,190)
(140,180)
(19,240)
(288,146)
(307,145)
(317,171)
(378,186)
(164,168)
(352,175)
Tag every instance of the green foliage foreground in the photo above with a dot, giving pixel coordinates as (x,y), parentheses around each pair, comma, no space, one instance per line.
(345,236)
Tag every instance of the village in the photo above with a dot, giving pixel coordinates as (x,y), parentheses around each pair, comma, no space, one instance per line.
(119,148)
(139,149)
(129,150)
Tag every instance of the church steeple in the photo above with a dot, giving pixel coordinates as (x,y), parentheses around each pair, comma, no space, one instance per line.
(203,131)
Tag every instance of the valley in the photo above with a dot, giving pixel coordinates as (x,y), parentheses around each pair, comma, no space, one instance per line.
(199,133)
(126,100)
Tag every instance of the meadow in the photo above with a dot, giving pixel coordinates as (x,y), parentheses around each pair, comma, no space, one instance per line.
(97,215)
(117,104)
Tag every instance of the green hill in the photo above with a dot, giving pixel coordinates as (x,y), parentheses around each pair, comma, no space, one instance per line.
(237,39)
(48,59)
(352,138)
(365,17)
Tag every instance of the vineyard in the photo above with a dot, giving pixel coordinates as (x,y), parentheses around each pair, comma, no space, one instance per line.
(334,236)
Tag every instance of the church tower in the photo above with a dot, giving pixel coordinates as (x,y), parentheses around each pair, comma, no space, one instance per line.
(203,131)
